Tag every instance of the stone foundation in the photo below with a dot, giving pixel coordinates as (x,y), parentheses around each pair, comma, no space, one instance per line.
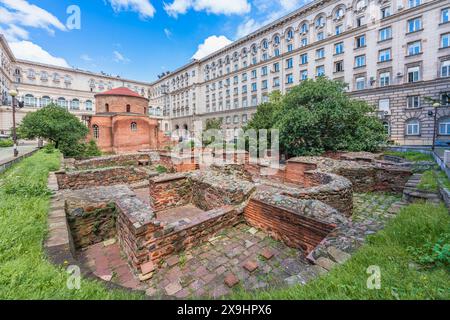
(300,224)
(100,177)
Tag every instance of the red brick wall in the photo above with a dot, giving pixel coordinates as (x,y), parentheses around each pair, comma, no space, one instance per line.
(294,230)
(169,194)
(119,104)
(295,173)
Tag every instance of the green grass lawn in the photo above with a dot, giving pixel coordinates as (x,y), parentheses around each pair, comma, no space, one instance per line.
(24,271)
(410,155)
(395,250)
(429,181)
(26,274)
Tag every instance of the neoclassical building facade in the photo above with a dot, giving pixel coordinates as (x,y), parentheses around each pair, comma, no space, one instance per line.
(394,54)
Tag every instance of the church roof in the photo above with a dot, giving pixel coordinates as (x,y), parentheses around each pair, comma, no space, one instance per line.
(122,91)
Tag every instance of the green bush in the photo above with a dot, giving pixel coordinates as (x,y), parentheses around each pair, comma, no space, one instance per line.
(433,254)
(318,116)
(80,150)
(412,156)
(5,143)
(161,169)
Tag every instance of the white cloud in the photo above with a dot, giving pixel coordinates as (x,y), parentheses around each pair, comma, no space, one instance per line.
(118,57)
(20,12)
(143,7)
(86,57)
(226,7)
(14,33)
(211,44)
(167,32)
(267,13)
(27,50)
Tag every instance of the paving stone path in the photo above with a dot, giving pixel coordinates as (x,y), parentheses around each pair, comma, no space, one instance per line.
(242,257)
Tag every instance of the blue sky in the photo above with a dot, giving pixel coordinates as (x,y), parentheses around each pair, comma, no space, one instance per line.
(136,39)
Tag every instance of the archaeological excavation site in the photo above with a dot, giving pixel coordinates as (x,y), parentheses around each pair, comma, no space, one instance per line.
(172,227)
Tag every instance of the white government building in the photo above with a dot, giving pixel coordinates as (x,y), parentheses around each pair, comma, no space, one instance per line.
(393,53)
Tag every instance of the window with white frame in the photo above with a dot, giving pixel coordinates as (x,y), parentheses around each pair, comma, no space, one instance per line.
(384,106)
(445,98)
(289,63)
(304,42)
(414,48)
(276,52)
(414,3)
(360,83)
(62,103)
(385,79)
(45,101)
(264,84)
(385,34)
(384,55)
(444,126)
(276,82)
(413,127)
(414,24)
(445,15)
(96,131)
(304,74)
(445,68)
(360,41)
(290,47)
(385,12)
(276,67)
(339,48)
(413,74)
(320,71)
(29,100)
(304,58)
(320,53)
(413,102)
(75,104)
(360,61)
(339,66)
(290,34)
(445,40)
(320,36)
(289,78)
(338,29)
(304,28)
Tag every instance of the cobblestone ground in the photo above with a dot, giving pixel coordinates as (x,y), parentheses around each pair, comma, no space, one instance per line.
(373,205)
(234,255)
(202,271)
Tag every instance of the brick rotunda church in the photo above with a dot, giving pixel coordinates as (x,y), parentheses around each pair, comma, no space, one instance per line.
(121,123)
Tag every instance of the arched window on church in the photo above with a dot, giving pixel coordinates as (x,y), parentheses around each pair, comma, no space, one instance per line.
(133,126)
(96,131)
(128,108)
(107,107)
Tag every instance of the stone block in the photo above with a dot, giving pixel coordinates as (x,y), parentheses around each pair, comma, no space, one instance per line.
(231,280)
(251,265)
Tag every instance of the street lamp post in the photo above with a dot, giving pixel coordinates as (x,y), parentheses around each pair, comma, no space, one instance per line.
(13,93)
(436,105)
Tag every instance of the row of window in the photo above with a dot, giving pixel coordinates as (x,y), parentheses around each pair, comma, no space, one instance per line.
(412,25)
(413,127)
(74,104)
(96,129)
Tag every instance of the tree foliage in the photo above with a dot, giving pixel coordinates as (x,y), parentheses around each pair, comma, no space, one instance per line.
(61,128)
(319,116)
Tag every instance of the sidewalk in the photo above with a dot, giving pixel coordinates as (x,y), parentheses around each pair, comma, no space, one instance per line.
(7,154)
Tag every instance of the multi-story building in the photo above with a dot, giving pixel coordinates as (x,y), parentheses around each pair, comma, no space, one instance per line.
(393,53)
(40,84)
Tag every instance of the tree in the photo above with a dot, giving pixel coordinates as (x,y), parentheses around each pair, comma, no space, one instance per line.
(57,125)
(319,116)
(211,124)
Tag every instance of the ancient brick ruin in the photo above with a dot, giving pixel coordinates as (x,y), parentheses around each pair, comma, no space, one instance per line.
(154,214)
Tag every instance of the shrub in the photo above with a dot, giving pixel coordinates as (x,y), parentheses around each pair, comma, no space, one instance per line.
(5,143)
(161,169)
(434,254)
